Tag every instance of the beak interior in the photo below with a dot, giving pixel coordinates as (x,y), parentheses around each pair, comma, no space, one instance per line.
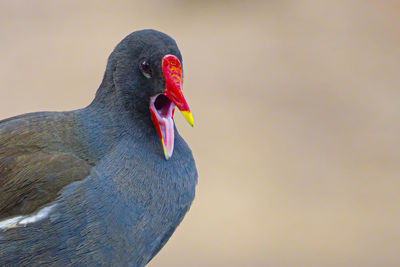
(163,106)
(162,109)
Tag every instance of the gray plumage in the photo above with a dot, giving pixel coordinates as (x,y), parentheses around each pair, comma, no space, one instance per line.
(115,199)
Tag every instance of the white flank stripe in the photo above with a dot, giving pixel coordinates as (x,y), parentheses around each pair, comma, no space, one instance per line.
(40,215)
(10,222)
(24,220)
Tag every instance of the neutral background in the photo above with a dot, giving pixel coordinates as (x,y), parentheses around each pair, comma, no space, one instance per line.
(296,106)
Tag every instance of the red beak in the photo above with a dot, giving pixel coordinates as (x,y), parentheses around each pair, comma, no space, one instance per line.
(172,71)
(162,110)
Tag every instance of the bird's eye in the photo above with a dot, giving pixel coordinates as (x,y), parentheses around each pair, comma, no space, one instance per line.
(146,69)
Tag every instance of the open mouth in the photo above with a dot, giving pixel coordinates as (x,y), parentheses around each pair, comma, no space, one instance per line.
(162,105)
(162,111)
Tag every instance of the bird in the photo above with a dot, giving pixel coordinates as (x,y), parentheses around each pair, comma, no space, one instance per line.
(107,184)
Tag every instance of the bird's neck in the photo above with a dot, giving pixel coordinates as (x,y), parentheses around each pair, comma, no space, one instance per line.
(117,102)
(112,115)
(101,129)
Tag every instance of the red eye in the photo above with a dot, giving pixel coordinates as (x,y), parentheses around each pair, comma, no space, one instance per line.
(146,69)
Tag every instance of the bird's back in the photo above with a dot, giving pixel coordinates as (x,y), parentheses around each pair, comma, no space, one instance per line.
(39,155)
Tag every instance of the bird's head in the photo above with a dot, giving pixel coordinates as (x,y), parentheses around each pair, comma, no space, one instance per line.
(144,75)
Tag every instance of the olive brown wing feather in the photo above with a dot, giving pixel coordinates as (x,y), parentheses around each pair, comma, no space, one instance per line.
(38,159)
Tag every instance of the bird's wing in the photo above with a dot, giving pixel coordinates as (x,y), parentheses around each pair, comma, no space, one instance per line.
(38,157)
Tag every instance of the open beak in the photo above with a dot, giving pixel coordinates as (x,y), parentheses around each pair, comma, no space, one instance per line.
(162,106)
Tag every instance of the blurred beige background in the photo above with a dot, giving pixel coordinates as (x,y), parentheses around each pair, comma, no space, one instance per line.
(296,106)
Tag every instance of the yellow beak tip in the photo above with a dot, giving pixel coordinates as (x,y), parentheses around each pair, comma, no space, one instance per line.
(165,152)
(188,117)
